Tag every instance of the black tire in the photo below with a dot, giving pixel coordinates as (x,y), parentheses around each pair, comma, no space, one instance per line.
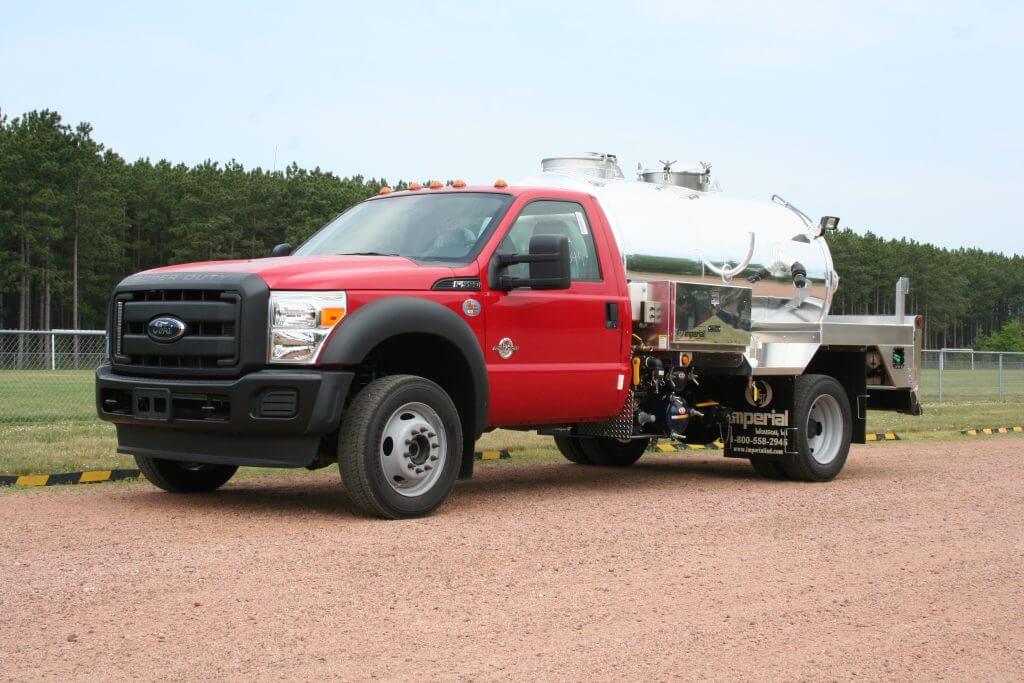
(804,466)
(769,469)
(362,446)
(184,477)
(612,452)
(571,448)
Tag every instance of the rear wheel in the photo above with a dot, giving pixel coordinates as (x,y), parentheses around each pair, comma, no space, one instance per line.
(821,410)
(184,477)
(613,452)
(571,448)
(400,447)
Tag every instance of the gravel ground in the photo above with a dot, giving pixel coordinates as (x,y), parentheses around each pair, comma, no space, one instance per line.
(907,566)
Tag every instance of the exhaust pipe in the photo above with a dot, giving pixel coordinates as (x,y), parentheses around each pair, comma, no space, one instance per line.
(902,288)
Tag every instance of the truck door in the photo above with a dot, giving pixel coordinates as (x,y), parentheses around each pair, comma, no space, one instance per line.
(557,355)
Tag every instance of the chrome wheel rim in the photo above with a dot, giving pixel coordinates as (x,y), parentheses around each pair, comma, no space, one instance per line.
(824,429)
(412,449)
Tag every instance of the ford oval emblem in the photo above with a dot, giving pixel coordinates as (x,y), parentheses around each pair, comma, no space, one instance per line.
(165,329)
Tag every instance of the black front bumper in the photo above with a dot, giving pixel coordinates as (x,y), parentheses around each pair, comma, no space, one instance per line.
(268,418)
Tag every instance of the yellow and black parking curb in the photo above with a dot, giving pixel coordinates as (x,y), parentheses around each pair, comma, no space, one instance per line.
(675,448)
(491,455)
(992,430)
(888,436)
(97,476)
(89,477)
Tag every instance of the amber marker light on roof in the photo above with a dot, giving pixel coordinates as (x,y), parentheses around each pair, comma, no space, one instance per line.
(500,183)
(459,184)
(415,186)
(385,190)
(436,185)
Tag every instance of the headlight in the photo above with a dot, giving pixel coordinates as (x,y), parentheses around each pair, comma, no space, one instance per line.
(300,322)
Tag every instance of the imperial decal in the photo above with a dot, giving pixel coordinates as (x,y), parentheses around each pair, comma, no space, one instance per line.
(765,428)
(471,307)
(751,419)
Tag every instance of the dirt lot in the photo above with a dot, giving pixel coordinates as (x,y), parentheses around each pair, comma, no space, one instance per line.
(911,564)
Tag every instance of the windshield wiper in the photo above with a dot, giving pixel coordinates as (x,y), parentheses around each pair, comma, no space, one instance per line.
(365,253)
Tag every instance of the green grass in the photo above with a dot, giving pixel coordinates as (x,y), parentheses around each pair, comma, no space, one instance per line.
(46,395)
(972,385)
(47,421)
(68,446)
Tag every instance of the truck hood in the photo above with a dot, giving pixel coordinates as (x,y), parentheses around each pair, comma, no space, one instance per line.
(327,272)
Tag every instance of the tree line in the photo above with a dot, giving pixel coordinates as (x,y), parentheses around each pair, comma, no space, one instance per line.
(76,217)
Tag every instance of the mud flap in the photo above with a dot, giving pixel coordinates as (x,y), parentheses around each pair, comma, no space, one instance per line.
(466,465)
(761,424)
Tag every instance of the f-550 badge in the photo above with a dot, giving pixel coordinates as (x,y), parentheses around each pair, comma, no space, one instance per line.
(506,348)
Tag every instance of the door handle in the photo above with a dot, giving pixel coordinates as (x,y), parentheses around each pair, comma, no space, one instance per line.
(611,315)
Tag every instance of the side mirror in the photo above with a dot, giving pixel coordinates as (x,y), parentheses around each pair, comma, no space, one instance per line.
(282,250)
(549,265)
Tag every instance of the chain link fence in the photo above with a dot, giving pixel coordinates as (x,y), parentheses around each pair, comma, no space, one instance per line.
(47,376)
(968,375)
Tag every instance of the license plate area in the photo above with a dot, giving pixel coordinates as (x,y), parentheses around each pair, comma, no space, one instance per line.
(151,404)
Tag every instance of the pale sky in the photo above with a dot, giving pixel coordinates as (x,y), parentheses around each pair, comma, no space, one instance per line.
(904,118)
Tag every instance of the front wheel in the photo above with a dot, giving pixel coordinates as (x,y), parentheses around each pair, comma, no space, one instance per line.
(184,477)
(399,447)
(822,412)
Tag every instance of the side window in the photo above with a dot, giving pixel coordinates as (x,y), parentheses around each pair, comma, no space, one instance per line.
(554,218)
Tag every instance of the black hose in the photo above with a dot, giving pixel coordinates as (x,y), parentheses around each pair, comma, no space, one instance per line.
(799,275)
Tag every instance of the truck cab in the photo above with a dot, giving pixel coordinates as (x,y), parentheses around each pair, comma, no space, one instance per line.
(418,320)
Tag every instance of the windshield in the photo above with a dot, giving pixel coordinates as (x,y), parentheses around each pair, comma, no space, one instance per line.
(441,227)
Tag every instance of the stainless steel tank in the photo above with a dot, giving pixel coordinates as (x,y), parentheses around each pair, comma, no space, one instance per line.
(710,239)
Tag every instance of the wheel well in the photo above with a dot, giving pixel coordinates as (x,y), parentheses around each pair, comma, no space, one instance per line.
(847,366)
(429,356)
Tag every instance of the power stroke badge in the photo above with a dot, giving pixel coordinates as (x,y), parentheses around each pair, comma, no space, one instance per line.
(505,348)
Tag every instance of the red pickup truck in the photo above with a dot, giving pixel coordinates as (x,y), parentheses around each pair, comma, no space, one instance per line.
(412,324)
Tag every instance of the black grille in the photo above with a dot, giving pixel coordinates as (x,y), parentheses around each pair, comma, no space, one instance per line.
(225,316)
(211,317)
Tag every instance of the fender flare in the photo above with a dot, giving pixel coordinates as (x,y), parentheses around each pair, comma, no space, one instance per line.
(377,321)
